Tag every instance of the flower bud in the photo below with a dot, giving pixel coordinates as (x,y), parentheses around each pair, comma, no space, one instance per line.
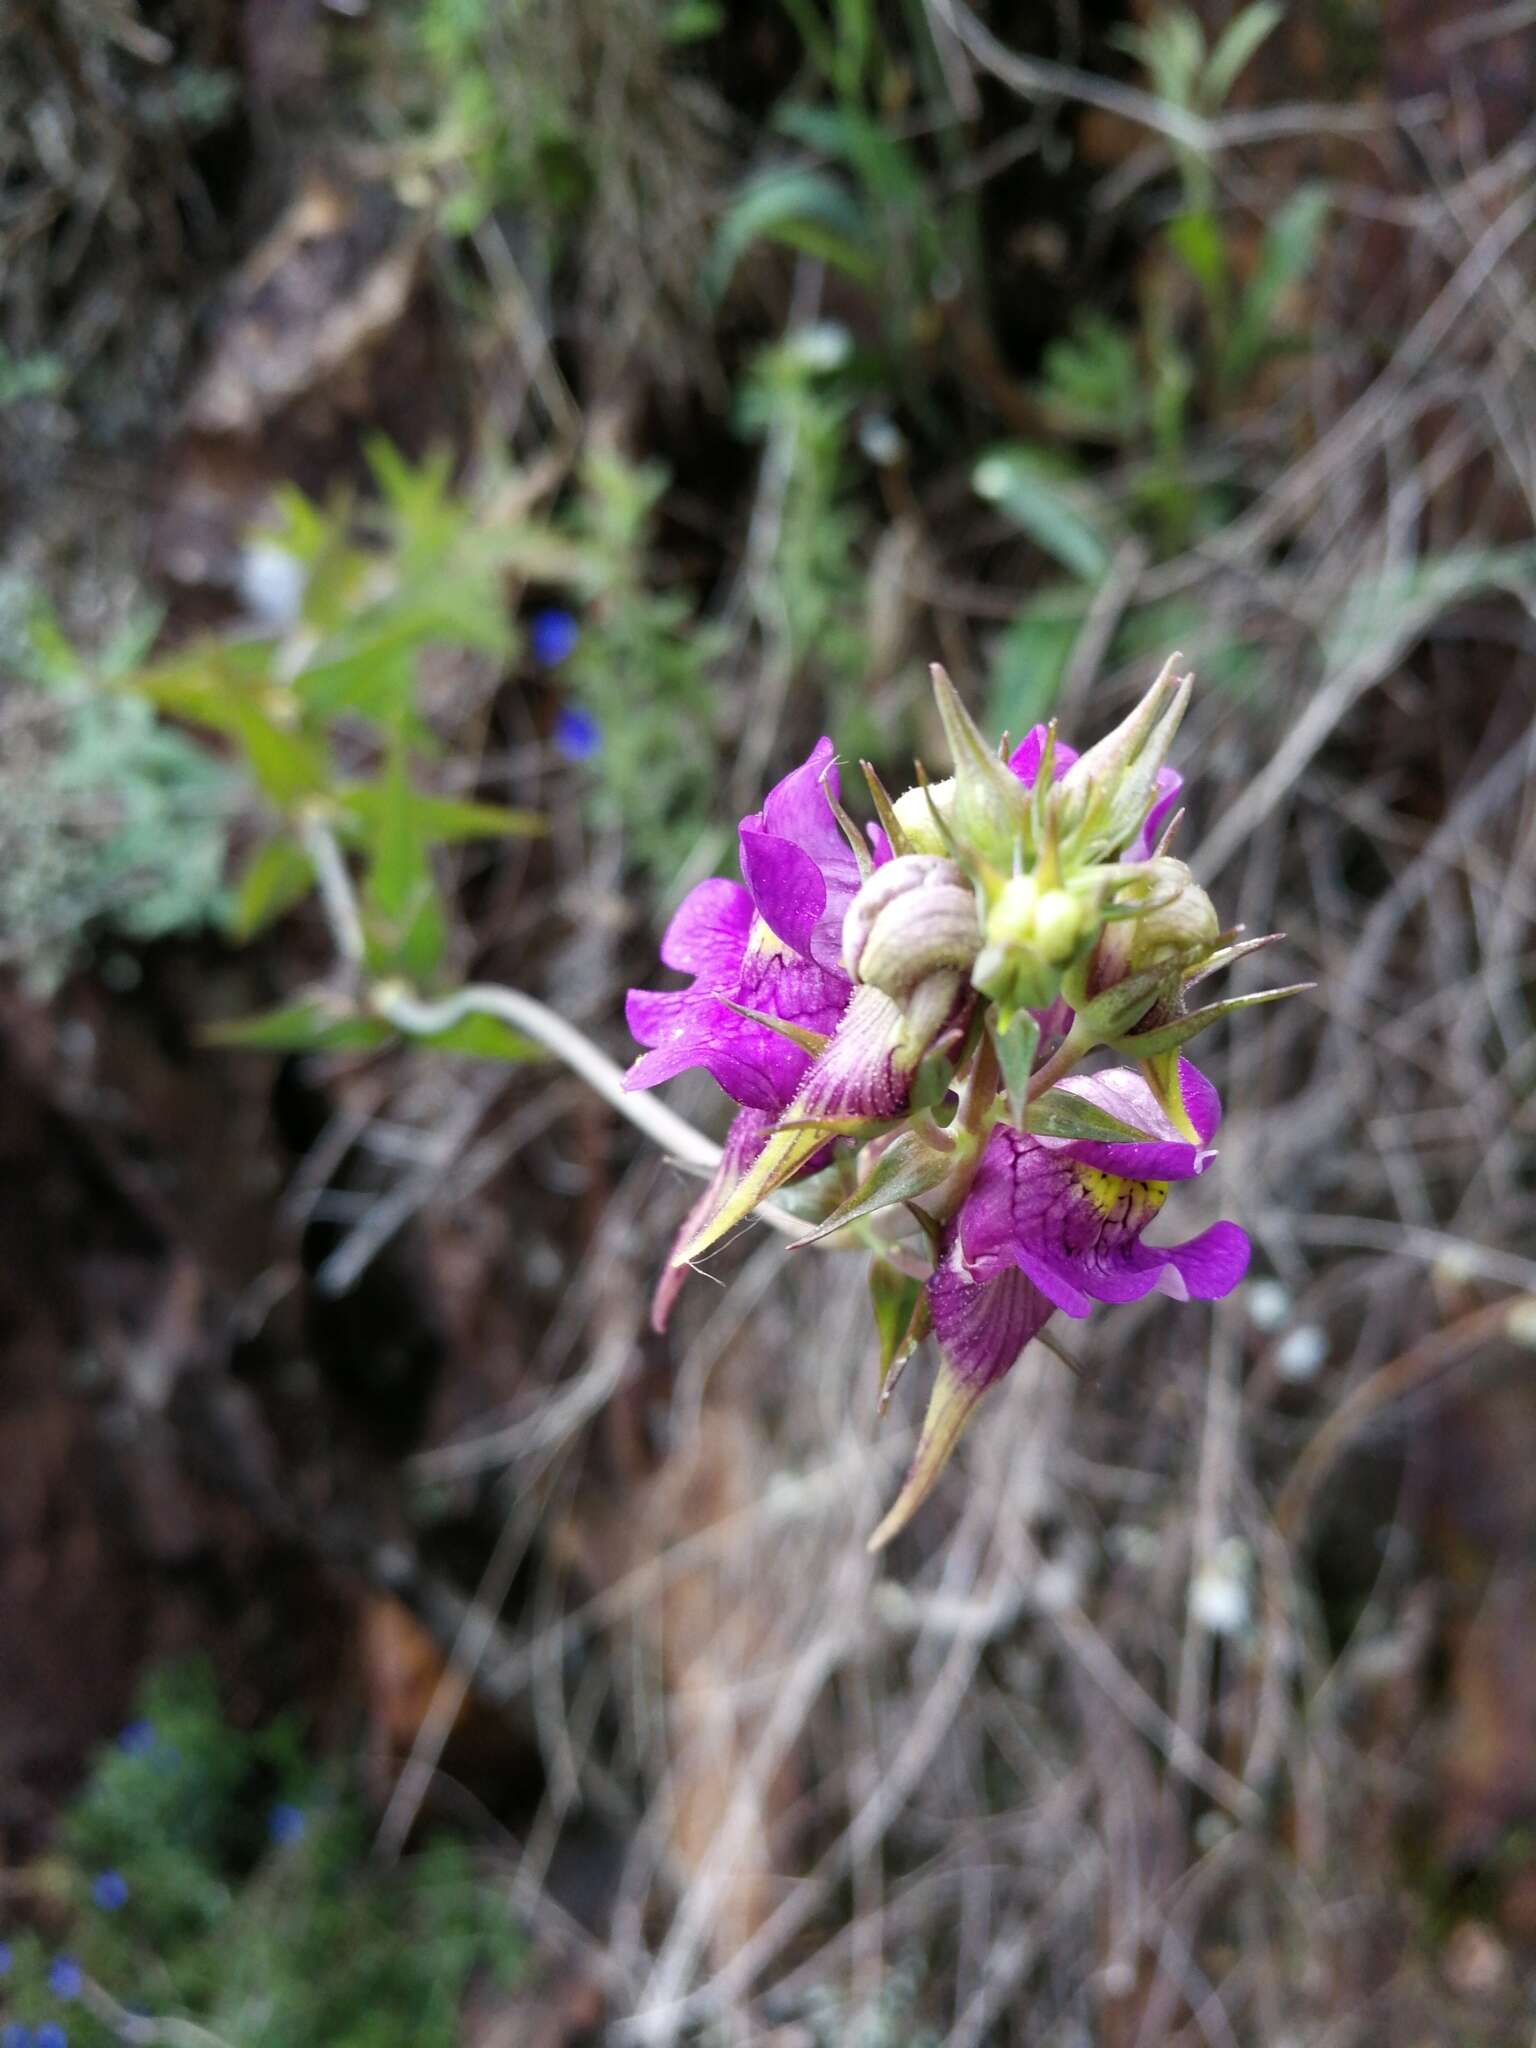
(1052,922)
(915,810)
(1141,961)
(989,812)
(911,933)
(914,917)
(1115,781)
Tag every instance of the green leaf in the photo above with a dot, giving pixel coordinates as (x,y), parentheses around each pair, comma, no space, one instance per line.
(1030,658)
(1286,256)
(884,166)
(287,764)
(1197,240)
(443,820)
(1092,382)
(693,21)
(1235,49)
(398,868)
(486,1037)
(314,1024)
(804,209)
(277,876)
(1041,495)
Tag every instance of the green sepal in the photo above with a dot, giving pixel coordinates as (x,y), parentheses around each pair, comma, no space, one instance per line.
(991,810)
(902,1320)
(813,1042)
(908,1167)
(1061,1113)
(885,811)
(1016,1044)
(1140,1045)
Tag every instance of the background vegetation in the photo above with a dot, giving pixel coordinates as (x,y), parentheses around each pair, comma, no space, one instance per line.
(454,458)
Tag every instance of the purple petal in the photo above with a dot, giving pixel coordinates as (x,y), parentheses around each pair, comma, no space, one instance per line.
(1026,757)
(1203,1269)
(787,887)
(1165,1153)
(801,871)
(783,985)
(753,1064)
(708,932)
(983,1325)
(1165,796)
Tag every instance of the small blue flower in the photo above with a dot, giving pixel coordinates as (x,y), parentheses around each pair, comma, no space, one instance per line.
(552,635)
(578,736)
(286,1824)
(6,1959)
(110,1891)
(50,2035)
(66,1979)
(15,2036)
(138,1738)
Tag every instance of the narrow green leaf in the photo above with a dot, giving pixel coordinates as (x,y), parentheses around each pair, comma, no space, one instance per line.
(276,877)
(1235,49)
(443,820)
(901,1317)
(486,1037)
(1286,256)
(288,765)
(1045,500)
(314,1024)
(806,210)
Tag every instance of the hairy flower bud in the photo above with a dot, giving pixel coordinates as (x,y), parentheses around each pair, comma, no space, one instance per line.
(1107,792)
(1142,960)
(989,810)
(915,813)
(911,932)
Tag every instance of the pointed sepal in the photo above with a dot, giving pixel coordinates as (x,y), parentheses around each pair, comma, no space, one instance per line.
(1015,1045)
(901,1320)
(990,812)
(1168,1037)
(910,1166)
(950,1407)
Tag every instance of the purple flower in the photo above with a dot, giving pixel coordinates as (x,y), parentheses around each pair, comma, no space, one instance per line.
(1057,1223)
(801,871)
(138,1738)
(552,635)
(286,1824)
(6,1959)
(66,1979)
(110,1891)
(50,2035)
(16,2036)
(719,938)
(762,947)
(578,736)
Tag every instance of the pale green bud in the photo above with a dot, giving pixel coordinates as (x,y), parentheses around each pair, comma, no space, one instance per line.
(1115,781)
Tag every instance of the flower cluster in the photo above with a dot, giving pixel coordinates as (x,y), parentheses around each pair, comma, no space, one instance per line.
(900,1016)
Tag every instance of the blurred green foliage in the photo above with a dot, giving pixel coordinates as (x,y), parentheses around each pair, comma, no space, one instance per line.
(206,1875)
(112,823)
